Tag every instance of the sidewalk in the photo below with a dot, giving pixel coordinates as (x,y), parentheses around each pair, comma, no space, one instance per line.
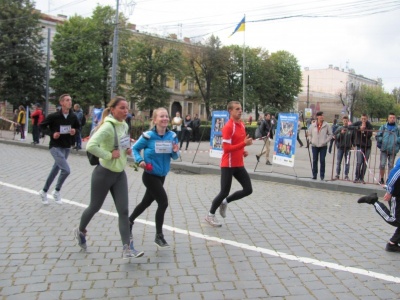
(196,160)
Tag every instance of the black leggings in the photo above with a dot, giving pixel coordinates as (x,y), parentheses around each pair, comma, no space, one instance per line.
(155,191)
(240,175)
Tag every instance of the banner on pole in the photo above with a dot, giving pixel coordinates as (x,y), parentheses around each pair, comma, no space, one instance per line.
(285,139)
(219,119)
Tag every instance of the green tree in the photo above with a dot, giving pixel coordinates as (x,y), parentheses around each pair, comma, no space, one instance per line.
(375,102)
(82,50)
(21,60)
(151,62)
(208,63)
(285,73)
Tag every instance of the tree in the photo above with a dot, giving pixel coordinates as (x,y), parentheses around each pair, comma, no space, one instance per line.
(82,50)
(22,75)
(208,63)
(285,73)
(151,62)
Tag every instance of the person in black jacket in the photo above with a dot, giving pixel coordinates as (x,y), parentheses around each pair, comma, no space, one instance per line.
(344,142)
(186,131)
(266,129)
(61,126)
(362,140)
(196,128)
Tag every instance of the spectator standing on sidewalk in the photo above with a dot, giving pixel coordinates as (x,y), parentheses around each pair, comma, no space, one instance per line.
(109,175)
(186,131)
(344,142)
(177,125)
(388,137)
(157,146)
(335,126)
(61,126)
(78,137)
(234,141)
(319,134)
(362,140)
(37,118)
(391,215)
(299,126)
(266,130)
(21,121)
(196,128)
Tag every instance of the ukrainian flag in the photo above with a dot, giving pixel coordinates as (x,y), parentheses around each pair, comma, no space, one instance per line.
(240,27)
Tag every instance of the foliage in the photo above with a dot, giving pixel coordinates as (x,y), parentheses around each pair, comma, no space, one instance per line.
(82,50)
(375,102)
(22,75)
(208,63)
(150,63)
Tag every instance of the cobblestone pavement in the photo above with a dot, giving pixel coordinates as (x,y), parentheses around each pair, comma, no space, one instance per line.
(282,242)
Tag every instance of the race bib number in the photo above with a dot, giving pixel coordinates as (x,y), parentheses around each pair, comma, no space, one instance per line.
(125,142)
(163,147)
(65,129)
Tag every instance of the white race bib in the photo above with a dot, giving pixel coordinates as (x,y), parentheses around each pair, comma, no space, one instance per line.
(125,142)
(65,129)
(163,147)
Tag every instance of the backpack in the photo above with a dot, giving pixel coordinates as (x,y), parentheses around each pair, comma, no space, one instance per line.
(93,159)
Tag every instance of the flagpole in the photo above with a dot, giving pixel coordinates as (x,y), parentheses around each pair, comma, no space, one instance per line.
(244,68)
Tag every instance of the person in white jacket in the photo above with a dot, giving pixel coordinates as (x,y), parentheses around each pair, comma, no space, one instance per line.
(319,134)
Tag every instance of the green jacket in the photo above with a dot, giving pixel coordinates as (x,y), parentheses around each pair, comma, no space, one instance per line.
(101,144)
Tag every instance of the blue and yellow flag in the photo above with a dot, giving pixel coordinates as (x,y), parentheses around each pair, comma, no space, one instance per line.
(240,27)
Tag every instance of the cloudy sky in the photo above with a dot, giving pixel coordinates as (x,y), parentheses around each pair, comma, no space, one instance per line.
(359,35)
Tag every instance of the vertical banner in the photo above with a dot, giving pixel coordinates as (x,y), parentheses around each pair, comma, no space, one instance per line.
(219,119)
(96,117)
(285,139)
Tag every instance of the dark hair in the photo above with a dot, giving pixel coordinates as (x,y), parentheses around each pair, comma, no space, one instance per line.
(266,114)
(345,117)
(320,113)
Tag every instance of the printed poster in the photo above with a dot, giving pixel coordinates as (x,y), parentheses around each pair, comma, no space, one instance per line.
(96,116)
(285,139)
(219,119)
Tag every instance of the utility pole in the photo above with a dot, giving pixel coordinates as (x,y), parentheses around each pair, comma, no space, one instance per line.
(308,90)
(115,56)
(46,110)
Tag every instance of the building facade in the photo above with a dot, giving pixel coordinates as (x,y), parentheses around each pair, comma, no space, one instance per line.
(323,89)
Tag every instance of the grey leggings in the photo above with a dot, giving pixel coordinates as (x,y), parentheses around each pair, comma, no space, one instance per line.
(60,156)
(104,180)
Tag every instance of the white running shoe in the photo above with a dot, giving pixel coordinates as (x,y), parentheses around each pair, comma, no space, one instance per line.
(212,220)
(43,195)
(57,197)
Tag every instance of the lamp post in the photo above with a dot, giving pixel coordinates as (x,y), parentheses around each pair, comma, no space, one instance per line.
(47,71)
(115,56)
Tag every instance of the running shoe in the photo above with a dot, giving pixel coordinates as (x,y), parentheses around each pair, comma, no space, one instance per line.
(212,220)
(160,241)
(43,195)
(80,238)
(222,209)
(130,253)
(57,197)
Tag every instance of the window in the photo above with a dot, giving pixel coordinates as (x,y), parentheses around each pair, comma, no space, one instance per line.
(177,84)
(190,108)
(202,109)
(191,85)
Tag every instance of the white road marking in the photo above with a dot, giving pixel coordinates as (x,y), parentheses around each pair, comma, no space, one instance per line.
(283,255)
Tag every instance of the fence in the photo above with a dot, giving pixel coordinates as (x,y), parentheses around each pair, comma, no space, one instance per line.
(364,159)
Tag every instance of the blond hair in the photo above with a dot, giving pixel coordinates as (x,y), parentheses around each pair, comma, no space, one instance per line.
(154,115)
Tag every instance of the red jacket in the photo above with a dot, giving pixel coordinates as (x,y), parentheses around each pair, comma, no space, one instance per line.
(37,117)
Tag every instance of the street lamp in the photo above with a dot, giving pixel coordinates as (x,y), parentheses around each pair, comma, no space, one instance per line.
(46,110)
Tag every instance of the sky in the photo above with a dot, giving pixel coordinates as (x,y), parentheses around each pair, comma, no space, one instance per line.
(354,34)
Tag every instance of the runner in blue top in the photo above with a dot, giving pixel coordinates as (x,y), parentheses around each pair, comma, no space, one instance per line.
(391,215)
(159,145)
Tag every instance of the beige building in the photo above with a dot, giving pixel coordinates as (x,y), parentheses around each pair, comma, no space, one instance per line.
(322,90)
(184,93)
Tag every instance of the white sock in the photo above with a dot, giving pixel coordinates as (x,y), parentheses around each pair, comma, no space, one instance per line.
(225,201)
(211,215)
